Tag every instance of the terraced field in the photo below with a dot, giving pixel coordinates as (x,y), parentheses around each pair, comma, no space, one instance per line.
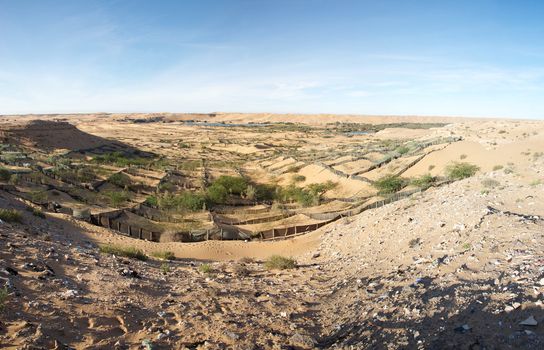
(178,180)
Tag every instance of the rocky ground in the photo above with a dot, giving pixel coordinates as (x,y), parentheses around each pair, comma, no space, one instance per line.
(456,267)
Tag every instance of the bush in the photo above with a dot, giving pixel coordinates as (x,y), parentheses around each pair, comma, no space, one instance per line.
(120,159)
(424,181)
(37,212)
(129,252)
(205,268)
(461,170)
(233,184)
(117,198)
(191,201)
(403,150)
(250,192)
(217,193)
(321,188)
(164,255)
(165,268)
(278,262)
(85,174)
(38,196)
(300,195)
(119,179)
(293,169)
(497,167)
(3,297)
(5,174)
(152,201)
(11,215)
(266,192)
(389,184)
(299,178)
(490,183)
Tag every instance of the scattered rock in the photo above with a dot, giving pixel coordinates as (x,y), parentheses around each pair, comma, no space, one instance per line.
(529,321)
(11,271)
(232,335)
(462,329)
(69,294)
(303,341)
(126,272)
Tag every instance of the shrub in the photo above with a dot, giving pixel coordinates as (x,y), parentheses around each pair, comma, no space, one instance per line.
(205,268)
(403,150)
(278,262)
(431,167)
(459,170)
(463,156)
(38,196)
(298,178)
(217,193)
(165,268)
(497,167)
(191,201)
(37,212)
(508,170)
(15,179)
(250,192)
(233,184)
(321,188)
(293,169)
(85,174)
(535,182)
(3,297)
(120,159)
(389,184)
(424,181)
(119,179)
(414,242)
(240,269)
(164,255)
(117,198)
(11,215)
(152,201)
(266,192)
(490,183)
(166,187)
(5,174)
(129,252)
(300,195)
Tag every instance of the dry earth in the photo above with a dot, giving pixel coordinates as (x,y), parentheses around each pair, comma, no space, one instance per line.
(455,267)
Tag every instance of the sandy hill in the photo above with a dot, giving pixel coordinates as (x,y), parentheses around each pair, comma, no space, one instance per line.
(227,117)
(48,135)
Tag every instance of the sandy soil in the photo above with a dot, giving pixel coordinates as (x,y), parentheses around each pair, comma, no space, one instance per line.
(455,267)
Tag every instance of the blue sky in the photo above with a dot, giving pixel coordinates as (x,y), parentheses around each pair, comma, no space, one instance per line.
(472,58)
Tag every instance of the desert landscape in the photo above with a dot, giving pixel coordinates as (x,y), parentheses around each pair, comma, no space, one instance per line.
(270,231)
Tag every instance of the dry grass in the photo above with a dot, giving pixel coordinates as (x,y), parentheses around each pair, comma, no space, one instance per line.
(129,252)
(11,215)
(163,255)
(278,262)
